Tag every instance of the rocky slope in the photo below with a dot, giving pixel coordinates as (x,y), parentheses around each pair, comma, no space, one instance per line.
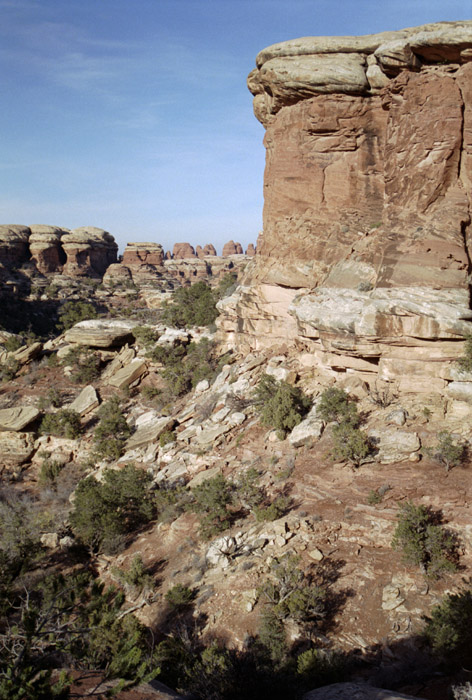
(364,259)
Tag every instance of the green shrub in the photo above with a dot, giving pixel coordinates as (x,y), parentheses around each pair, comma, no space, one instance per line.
(273,511)
(9,370)
(136,577)
(85,364)
(186,366)
(448,629)
(272,635)
(190,306)
(465,362)
(49,471)
(64,423)
(104,511)
(334,405)
(227,285)
(145,335)
(52,398)
(13,343)
(281,405)
(350,444)
(166,438)
(211,500)
(179,596)
(73,312)
(424,542)
(291,593)
(447,451)
(111,432)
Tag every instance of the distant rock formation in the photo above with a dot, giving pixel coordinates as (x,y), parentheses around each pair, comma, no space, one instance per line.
(85,251)
(232,248)
(181,251)
(365,252)
(251,251)
(143,254)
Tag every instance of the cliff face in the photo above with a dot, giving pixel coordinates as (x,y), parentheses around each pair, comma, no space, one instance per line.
(367,200)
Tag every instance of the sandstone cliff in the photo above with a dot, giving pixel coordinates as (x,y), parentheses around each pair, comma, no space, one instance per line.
(365,254)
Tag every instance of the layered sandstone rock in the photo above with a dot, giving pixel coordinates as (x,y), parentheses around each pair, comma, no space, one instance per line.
(143,254)
(232,248)
(86,251)
(182,251)
(365,247)
(89,251)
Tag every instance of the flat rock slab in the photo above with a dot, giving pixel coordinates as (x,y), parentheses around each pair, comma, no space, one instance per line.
(128,374)
(86,401)
(354,691)
(149,432)
(394,445)
(308,431)
(17,418)
(99,333)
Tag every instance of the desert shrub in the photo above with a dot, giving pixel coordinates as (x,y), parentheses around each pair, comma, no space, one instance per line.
(319,667)
(186,366)
(69,622)
(350,444)
(281,405)
(170,501)
(166,438)
(291,592)
(211,500)
(85,364)
(447,451)
(9,369)
(179,596)
(145,335)
(274,510)
(73,312)
(448,628)
(424,542)
(382,396)
(272,636)
(190,306)
(334,405)
(19,535)
(105,511)
(13,343)
(111,432)
(136,577)
(49,471)
(465,362)
(64,423)
(52,398)
(226,285)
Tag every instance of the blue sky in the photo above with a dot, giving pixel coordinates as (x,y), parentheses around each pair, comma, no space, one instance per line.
(134,116)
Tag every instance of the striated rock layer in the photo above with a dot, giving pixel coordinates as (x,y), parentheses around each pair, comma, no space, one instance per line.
(85,251)
(365,254)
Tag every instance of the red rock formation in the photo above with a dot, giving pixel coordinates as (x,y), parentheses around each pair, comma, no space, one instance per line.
(46,248)
(143,254)
(14,245)
(368,200)
(199,251)
(232,248)
(251,251)
(89,251)
(209,249)
(182,251)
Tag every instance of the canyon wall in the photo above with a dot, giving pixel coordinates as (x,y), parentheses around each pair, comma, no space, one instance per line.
(364,259)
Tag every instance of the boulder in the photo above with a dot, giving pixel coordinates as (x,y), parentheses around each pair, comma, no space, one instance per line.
(394,445)
(17,418)
(89,251)
(128,374)
(354,691)
(101,333)
(16,448)
(137,254)
(308,431)
(149,432)
(86,401)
